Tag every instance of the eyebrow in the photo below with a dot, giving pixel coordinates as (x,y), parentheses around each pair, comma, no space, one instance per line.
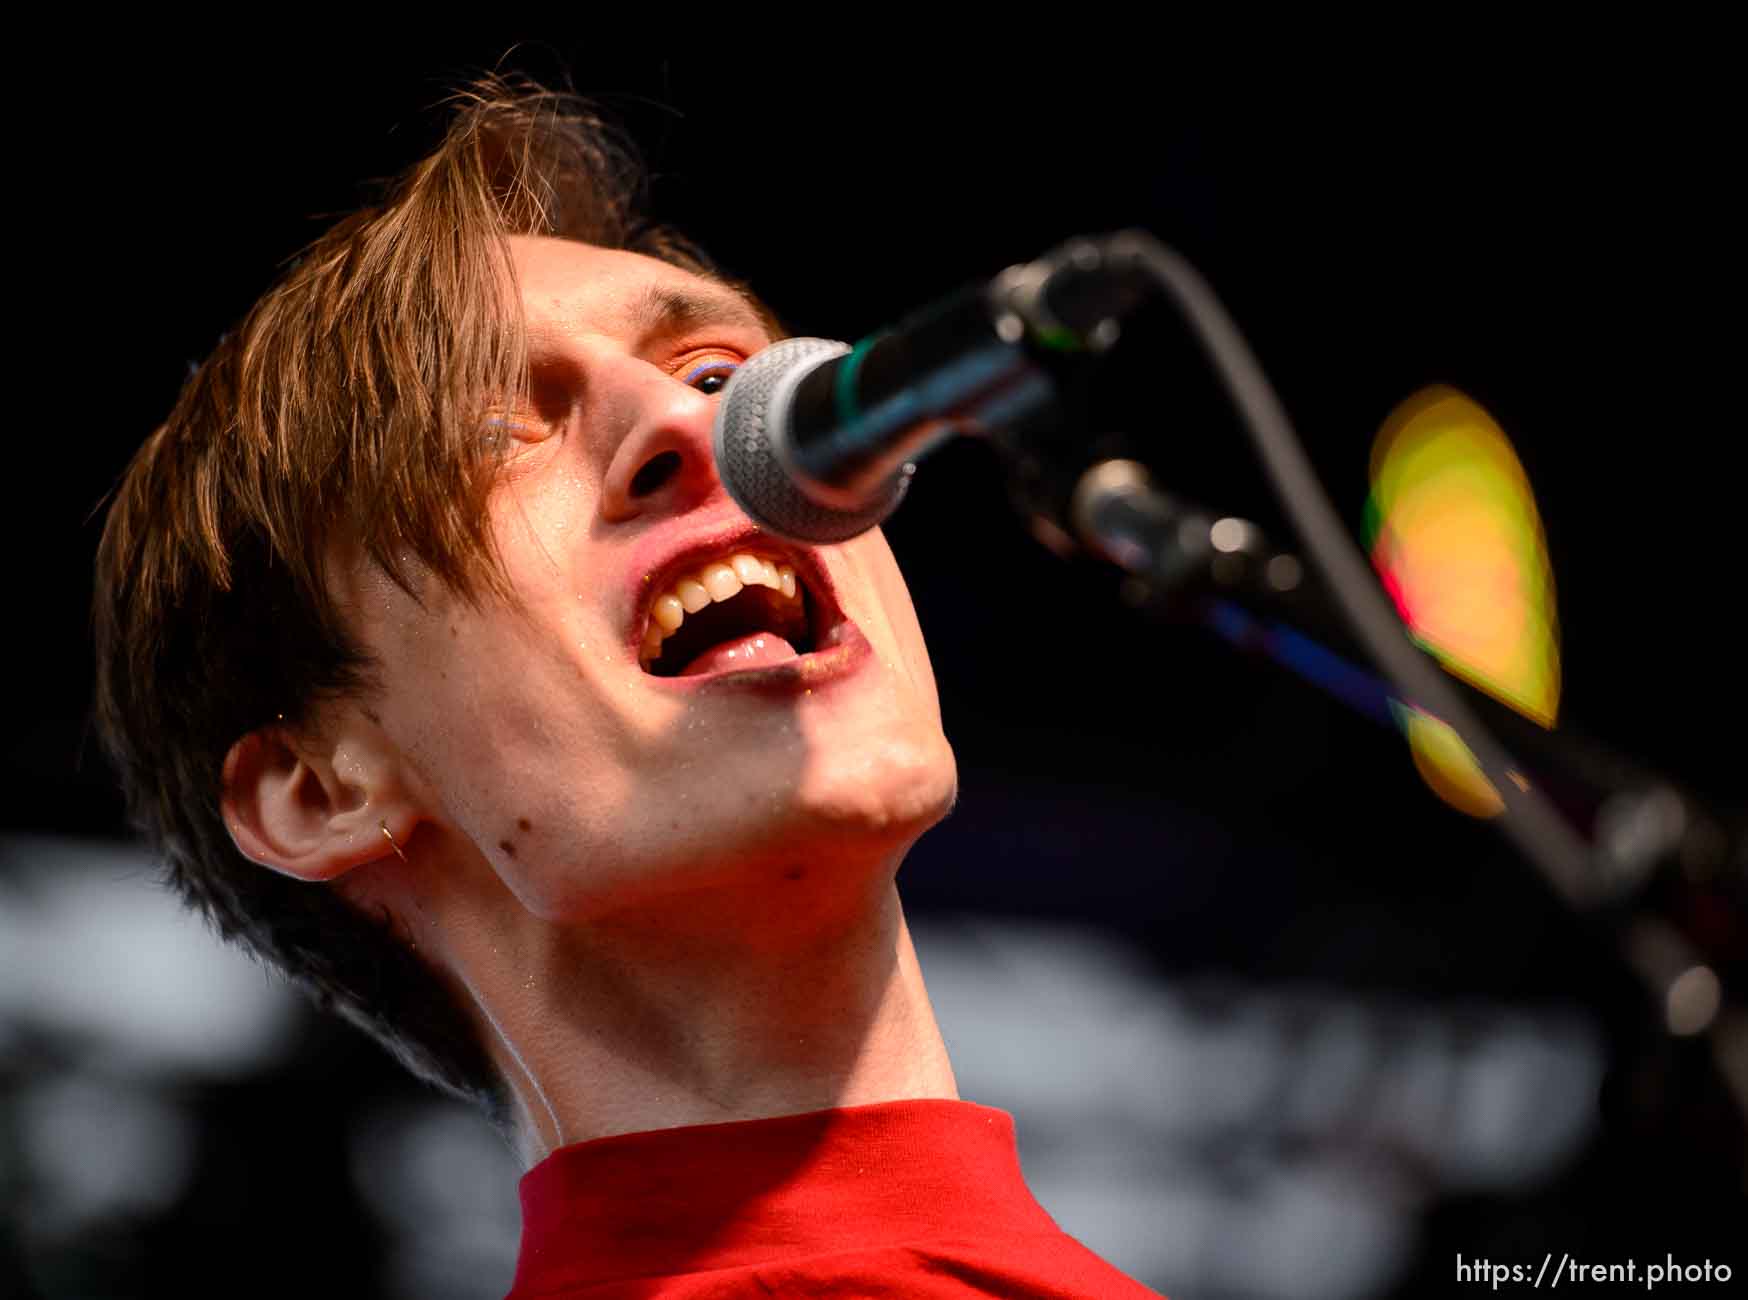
(666,309)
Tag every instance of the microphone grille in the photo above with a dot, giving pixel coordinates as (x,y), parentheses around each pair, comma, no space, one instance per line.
(750,417)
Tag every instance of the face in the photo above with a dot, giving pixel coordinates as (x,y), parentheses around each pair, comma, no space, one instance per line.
(785,722)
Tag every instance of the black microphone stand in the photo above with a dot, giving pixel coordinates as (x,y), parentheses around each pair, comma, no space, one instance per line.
(1627,847)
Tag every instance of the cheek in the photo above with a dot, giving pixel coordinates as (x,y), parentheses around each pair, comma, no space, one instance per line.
(540,502)
(877,571)
(516,729)
(520,764)
(484,701)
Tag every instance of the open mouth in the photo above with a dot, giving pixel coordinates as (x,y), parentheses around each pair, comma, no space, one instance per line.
(740,610)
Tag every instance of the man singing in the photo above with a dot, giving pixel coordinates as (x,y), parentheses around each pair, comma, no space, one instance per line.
(447,678)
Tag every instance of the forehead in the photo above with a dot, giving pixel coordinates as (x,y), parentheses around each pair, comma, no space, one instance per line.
(570,288)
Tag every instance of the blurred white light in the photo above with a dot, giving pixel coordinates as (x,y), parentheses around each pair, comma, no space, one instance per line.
(1284,572)
(1525,1099)
(1231,1140)
(93,1148)
(92,947)
(1311,1233)
(1412,1089)
(1210,1070)
(1044,1019)
(1693,1000)
(1154,1227)
(1229,534)
(441,1179)
(1336,1063)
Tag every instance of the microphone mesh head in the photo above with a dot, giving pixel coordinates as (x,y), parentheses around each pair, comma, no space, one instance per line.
(750,415)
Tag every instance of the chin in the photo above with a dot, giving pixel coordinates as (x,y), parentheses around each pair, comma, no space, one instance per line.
(885,796)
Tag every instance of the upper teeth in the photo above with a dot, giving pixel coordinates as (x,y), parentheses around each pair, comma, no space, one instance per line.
(717,581)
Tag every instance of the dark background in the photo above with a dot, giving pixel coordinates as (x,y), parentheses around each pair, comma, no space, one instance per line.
(1555,233)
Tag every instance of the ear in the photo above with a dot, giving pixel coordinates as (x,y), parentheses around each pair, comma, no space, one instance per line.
(316,807)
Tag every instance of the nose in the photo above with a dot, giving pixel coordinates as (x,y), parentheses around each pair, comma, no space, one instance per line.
(664,464)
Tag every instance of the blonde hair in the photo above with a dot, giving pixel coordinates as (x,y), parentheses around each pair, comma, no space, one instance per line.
(350,403)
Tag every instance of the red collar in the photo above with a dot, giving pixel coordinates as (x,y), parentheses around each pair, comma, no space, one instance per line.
(684,1200)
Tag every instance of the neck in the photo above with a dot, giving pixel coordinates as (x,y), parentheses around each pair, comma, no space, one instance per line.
(732,1004)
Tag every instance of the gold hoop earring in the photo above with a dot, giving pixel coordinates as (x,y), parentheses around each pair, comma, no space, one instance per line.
(389,835)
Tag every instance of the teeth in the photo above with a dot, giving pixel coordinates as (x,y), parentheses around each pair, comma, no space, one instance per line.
(720,581)
(692,594)
(717,581)
(668,612)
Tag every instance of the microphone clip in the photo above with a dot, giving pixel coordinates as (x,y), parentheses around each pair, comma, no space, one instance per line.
(1072,299)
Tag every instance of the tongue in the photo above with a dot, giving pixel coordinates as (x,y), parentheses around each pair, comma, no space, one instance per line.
(754,650)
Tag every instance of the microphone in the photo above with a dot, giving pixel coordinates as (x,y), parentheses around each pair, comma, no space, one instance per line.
(817,440)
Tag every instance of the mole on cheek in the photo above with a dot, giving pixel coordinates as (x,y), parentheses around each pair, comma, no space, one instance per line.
(508,848)
(522,823)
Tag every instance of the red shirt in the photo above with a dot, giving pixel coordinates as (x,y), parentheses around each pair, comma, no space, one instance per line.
(908,1198)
